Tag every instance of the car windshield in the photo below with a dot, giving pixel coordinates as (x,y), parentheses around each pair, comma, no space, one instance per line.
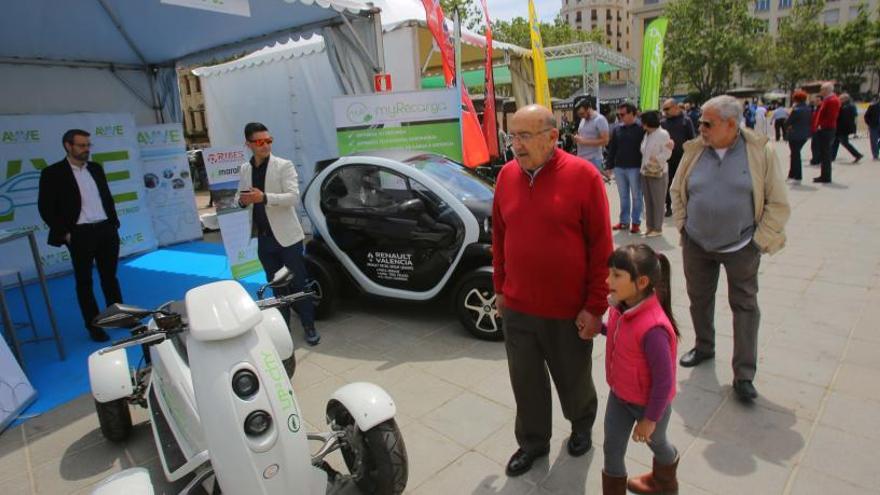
(461,182)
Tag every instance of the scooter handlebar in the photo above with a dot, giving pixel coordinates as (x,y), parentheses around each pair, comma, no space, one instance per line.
(276,302)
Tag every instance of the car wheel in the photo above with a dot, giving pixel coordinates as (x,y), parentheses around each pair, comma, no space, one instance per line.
(475,306)
(324,277)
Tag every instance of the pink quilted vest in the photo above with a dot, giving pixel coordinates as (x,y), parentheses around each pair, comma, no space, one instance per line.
(626,367)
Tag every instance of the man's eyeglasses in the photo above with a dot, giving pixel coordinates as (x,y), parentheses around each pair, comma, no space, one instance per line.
(527,136)
(261,142)
(706,124)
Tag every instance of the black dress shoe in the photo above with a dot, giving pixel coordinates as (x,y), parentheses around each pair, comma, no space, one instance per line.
(312,336)
(745,390)
(522,461)
(579,444)
(694,357)
(98,335)
(821,180)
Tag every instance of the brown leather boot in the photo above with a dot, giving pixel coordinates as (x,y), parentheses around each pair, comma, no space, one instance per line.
(613,485)
(660,480)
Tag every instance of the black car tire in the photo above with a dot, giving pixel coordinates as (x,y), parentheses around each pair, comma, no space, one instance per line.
(114,417)
(474,292)
(376,458)
(324,275)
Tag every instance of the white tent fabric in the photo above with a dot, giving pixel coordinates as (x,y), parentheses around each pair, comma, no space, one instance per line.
(288,87)
(61,56)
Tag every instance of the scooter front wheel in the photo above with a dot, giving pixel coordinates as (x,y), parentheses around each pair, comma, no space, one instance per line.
(114,417)
(376,458)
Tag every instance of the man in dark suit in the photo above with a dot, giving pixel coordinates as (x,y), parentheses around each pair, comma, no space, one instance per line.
(76,204)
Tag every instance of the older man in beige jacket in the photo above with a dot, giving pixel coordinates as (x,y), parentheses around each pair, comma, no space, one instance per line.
(730,204)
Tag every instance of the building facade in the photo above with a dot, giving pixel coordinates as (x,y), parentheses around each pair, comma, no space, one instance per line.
(192,103)
(770,11)
(612,17)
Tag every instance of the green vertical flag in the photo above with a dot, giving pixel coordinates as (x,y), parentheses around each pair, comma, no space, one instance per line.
(652,63)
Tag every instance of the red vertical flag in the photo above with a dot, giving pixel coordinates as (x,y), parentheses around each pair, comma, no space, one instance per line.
(473,145)
(490,126)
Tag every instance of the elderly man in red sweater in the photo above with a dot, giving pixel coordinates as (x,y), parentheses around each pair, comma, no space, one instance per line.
(551,241)
(824,129)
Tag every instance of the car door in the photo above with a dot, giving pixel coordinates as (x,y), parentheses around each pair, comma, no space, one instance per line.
(395,231)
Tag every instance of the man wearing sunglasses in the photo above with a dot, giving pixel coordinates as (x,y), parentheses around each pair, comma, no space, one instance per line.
(268,188)
(730,204)
(625,158)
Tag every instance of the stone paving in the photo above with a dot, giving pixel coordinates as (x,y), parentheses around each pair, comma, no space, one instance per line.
(812,431)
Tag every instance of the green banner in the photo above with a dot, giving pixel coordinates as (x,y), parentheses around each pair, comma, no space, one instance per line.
(652,63)
(440,137)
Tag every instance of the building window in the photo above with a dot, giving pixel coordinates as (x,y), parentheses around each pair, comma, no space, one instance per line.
(192,121)
(188,89)
(608,15)
(853,13)
(762,5)
(784,4)
(577,17)
(651,2)
(198,85)
(832,17)
(594,15)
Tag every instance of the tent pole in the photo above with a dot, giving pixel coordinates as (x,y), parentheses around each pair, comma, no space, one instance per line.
(122,32)
(360,43)
(380,38)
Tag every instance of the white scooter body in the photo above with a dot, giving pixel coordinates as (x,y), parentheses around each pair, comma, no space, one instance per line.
(227,333)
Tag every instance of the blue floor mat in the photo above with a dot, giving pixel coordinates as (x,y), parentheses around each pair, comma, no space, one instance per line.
(147,280)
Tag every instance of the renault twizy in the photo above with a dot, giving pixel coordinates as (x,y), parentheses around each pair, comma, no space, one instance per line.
(404,225)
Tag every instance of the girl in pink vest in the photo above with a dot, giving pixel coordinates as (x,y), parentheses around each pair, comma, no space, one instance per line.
(641,341)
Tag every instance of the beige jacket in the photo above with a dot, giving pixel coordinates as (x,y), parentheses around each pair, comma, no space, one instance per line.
(768,189)
(282,197)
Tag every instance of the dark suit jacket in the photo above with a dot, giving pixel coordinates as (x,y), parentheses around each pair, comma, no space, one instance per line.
(799,122)
(60,202)
(846,119)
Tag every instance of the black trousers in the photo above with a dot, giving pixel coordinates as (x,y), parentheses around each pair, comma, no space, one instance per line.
(91,245)
(273,256)
(794,170)
(824,138)
(535,346)
(673,162)
(843,140)
(779,125)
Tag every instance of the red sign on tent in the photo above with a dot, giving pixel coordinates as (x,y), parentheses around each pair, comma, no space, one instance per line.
(382,82)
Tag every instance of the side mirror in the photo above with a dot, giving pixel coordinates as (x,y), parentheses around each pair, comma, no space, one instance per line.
(414,206)
(282,278)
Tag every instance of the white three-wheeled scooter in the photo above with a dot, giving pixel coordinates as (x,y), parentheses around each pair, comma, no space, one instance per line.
(222,405)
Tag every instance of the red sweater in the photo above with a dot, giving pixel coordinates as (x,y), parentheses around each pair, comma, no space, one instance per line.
(827,114)
(551,238)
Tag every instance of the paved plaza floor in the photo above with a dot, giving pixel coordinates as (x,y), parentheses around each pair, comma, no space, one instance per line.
(812,431)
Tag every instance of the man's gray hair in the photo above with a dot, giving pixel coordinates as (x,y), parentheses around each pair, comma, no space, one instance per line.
(728,107)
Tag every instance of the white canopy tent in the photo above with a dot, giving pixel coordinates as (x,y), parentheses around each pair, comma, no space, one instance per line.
(289,86)
(120,55)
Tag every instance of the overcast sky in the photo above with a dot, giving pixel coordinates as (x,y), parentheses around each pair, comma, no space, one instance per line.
(508,9)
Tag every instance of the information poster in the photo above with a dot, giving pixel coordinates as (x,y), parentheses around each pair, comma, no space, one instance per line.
(30,143)
(408,120)
(16,392)
(223,166)
(168,184)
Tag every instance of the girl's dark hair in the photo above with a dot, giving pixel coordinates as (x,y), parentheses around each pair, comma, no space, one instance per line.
(640,259)
(651,119)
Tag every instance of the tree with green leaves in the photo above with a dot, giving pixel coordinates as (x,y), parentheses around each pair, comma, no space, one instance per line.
(469,12)
(851,51)
(706,40)
(798,50)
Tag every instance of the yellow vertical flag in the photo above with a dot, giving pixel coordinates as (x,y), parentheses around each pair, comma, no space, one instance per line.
(542,86)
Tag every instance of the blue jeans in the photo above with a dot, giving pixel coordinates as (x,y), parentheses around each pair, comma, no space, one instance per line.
(874,136)
(273,256)
(629,188)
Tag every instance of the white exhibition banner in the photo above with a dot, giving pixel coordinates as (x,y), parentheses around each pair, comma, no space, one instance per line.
(16,392)
(223,165)
(234,7)
(405,120)
(168,183)
(30,143)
